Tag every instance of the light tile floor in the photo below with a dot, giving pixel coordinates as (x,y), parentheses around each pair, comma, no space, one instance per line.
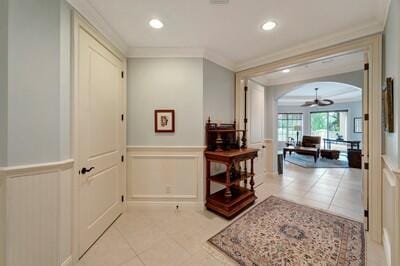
(150,235)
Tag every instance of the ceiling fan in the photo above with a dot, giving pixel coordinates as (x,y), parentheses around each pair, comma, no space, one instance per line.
(317,102)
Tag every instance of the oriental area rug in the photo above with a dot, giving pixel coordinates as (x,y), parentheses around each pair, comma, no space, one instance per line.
(280,232)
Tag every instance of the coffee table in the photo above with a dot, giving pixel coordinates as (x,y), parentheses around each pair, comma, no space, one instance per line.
(303,150)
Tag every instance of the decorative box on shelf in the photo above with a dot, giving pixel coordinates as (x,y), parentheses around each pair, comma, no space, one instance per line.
(226,146)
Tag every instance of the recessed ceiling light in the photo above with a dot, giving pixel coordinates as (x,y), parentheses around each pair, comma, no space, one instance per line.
(286,70)
(269,25)
(156,24)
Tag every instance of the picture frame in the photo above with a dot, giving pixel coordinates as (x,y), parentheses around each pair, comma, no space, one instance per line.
(387,106)
(164,121)
(358,125)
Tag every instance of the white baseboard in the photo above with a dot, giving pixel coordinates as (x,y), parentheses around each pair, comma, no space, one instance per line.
(67,262)
(184,204)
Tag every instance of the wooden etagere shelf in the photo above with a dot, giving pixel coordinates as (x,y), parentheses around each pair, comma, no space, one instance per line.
(227,145)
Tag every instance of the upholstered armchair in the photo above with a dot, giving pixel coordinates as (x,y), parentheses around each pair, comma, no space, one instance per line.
(311,142)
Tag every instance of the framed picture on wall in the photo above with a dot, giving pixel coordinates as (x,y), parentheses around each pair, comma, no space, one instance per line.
(387,106)
(358,125)
(164,121)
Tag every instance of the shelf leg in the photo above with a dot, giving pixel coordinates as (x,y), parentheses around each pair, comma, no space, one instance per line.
(228,193)
(245,171)
(208,174)
(252,176)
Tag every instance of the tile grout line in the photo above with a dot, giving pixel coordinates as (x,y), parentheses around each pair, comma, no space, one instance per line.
(337,188)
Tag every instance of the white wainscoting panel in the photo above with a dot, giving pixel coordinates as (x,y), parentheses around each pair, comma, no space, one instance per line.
(391,212)
(159,174)
(38,214)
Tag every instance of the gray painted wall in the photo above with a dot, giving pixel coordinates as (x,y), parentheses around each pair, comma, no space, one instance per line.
(219,92)
(391,68)
(3,80)
(65,80)
(165,83)
(33,81)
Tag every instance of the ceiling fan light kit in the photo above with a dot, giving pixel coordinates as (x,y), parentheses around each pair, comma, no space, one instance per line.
(317,102)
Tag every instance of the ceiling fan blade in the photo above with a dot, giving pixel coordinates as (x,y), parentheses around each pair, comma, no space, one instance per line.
(306,104)
(325,102)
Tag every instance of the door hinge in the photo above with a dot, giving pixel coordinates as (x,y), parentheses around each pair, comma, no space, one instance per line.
(366,213)
(122,198)
(122,74)
(366,117)
(122,158)
(366,66)
(122,117)
(366,166)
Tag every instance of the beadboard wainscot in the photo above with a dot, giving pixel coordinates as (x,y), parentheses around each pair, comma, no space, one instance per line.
(391,211)
(36,207)
(163,175)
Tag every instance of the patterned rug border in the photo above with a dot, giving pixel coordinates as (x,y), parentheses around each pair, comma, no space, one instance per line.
(314,208)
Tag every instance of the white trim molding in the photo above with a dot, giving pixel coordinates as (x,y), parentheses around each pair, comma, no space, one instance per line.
(36,169)
(180,52)
(165,174)
(391,210)
(86,9)
(324,42)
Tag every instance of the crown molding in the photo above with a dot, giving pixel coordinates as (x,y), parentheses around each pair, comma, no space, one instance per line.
(180,52)
(385,15)
(320,43)
(187,52)
(85,9)
(97,20)
(334,70)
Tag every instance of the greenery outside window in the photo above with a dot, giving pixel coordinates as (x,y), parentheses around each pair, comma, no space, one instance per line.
(287,122)
(329,124)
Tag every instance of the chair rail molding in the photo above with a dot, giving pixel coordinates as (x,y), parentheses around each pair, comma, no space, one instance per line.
(165,174)
(35,169)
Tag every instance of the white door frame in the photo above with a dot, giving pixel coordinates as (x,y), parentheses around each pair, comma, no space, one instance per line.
(372,46)
(79,22)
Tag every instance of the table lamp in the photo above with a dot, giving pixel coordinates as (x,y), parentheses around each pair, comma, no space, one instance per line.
(297,129)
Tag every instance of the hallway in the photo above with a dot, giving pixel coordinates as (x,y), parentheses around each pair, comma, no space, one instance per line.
(150,235)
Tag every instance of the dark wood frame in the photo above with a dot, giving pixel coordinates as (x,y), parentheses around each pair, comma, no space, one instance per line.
(354,124)
(156,129)
(387,102)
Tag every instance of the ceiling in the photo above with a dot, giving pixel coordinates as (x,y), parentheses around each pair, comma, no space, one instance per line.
(320,68)
(338,92)
(232,33)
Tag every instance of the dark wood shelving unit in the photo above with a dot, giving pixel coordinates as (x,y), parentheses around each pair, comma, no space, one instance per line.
(226,146)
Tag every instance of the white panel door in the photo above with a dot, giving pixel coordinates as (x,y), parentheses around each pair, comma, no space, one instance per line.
(256,126)
(100,138)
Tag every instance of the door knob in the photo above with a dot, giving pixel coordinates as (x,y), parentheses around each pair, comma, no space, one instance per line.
(263,146)
(84,170)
